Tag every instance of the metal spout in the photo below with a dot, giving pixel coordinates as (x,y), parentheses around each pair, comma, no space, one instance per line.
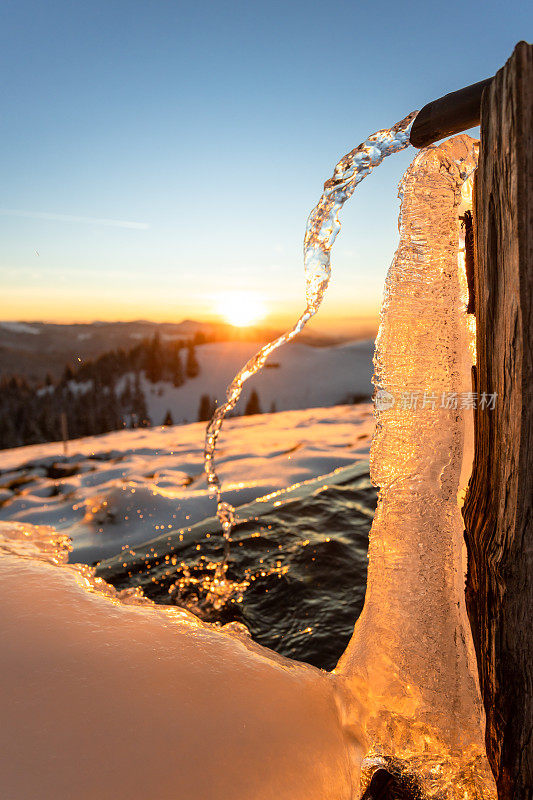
(453,113)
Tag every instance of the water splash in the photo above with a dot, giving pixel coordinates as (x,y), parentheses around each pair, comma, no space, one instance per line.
(321,231)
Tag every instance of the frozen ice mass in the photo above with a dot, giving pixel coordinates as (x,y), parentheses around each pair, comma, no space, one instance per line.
(412,649)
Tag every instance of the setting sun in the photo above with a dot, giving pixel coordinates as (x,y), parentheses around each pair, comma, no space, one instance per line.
(241,308)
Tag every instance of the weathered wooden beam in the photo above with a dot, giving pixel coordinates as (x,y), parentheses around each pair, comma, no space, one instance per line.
(498,510)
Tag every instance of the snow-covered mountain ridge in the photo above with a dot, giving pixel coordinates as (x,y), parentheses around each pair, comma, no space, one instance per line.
(298,376)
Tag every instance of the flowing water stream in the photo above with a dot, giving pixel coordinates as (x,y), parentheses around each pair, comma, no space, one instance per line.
(321,231)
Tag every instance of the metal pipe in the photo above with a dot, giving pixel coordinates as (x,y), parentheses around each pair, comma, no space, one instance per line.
(453,113)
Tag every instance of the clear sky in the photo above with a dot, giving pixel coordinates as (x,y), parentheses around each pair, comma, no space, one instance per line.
(156,154)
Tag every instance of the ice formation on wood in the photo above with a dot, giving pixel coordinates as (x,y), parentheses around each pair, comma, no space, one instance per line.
(411,659)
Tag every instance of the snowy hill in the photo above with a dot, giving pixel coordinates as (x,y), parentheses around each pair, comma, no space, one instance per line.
(126,487)
(297,376)
(34,349)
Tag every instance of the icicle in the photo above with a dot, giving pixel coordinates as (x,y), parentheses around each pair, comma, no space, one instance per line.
(410,660)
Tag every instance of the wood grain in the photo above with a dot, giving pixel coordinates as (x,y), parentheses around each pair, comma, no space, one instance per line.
(498,510)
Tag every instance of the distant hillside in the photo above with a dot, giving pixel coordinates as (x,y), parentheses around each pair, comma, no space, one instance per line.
(33,349)
(297,376)
(175,381)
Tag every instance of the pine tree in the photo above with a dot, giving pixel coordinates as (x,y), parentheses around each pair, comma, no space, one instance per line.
(205,409)
(176,367)
(139,408)
(154,360)
(168,419)
(127,394)
(192,368)
(253,406)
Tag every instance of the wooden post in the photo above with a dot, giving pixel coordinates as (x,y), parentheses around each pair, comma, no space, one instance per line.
(498,510)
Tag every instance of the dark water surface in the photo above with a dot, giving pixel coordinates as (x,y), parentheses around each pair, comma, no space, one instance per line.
(303,562)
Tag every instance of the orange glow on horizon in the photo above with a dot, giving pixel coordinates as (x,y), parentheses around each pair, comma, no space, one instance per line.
(241,308)
(65,305)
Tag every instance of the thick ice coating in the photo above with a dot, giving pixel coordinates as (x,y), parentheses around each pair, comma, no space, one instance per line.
(411,654)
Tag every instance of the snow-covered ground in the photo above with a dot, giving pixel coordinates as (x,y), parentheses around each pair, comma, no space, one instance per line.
(296,376)
(126,487)
(19,327)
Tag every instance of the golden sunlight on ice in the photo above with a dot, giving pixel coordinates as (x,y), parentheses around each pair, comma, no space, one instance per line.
(412,646)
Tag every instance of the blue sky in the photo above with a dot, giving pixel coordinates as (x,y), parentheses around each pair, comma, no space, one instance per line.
(211,126)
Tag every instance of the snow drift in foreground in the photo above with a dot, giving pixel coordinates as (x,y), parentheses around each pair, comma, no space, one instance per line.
(110,696)
(103,685)
(127,487)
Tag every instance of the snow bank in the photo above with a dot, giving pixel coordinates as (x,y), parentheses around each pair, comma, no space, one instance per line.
(109,696)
